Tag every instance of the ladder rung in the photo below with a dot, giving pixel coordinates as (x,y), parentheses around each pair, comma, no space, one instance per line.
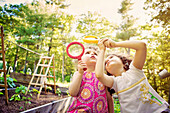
(50,76)
(1,51)
(44,65)
(2,85)
(1,70)
(49,84)
(38,75)
(36,84)
(45,57)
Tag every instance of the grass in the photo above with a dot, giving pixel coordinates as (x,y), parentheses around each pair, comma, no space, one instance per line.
(60,84)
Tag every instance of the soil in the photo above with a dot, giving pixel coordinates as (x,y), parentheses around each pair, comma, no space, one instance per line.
(15,106)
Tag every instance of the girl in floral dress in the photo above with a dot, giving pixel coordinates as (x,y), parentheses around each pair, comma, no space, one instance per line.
(90,95)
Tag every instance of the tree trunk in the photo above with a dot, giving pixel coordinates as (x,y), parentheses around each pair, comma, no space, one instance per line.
(25,62)
(63,66)
(15,60)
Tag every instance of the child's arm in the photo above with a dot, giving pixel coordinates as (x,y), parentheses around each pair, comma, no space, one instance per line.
(99,69)
(139,46)
(110,102)
(77,78)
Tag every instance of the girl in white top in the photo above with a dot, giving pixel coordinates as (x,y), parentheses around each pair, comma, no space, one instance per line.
(134,92)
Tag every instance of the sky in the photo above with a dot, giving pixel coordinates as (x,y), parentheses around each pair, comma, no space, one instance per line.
(107,8)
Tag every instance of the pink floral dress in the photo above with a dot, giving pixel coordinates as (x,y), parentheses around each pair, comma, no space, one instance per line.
(91,97)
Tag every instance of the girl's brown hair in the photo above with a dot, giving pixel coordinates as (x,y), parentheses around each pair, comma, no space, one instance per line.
(126,62)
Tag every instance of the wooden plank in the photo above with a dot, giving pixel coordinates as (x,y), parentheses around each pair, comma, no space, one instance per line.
(1,70)
(35,84)
(49,84)
(4,66)
(1,51)
(39,75)
(45,57)
(43,65)
(2,85)
(50,77)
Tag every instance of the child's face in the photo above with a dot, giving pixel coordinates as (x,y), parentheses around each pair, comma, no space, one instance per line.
(90,56)
(113,63)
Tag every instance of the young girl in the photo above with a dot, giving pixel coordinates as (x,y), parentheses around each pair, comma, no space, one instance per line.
(134,92)
(90,95)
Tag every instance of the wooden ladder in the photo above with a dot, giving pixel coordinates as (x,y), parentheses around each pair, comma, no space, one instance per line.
(42,70)
(2,51)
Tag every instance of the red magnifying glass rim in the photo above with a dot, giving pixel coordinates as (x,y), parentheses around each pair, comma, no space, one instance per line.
(75,57)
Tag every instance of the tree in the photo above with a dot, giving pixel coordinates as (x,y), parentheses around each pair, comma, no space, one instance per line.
(157,57)
(94,24)
(127,28)
(160,11)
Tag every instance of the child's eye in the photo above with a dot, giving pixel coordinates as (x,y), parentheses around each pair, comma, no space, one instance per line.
(95,54)
(87,52)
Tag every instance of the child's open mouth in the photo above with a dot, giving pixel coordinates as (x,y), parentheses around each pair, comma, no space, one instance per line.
(93,57)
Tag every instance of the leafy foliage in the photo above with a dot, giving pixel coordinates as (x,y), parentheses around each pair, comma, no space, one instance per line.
(160,11)
(116,106)
(58,91)
(46,29)
(10,81)
(19,96)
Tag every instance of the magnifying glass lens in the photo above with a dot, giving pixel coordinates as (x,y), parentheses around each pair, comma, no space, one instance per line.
(75,50)
(91,38)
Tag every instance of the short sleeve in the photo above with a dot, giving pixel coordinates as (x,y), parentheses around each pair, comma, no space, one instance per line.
(114,83)
(127,78)
(133,71)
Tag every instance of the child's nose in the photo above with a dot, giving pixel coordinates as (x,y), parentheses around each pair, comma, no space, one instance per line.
(92,53)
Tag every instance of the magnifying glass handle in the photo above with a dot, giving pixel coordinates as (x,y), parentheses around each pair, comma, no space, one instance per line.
(83,68)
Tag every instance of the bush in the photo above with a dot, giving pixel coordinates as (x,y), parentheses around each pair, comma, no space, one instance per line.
(116,106)
(67,78)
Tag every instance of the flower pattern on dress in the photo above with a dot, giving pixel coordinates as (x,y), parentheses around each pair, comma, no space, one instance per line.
(83,109)
(73,105)
(99,105)
(89,77)
(87,94)
(99,87)
(91,91)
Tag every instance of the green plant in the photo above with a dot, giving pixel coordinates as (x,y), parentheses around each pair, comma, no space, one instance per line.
(35,91)
(116,106)
(67,78)
(68,93)
(20,95)
(58,91)
(21,89)
(22,72)
(1,93)
(10,81)
(48,88)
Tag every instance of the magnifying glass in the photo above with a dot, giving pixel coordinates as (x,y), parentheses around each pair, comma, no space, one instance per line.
(90,39)
(75,50)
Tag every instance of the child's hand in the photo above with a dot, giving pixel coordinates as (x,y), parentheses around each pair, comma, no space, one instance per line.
(109,43)
(81,66)
(101,44)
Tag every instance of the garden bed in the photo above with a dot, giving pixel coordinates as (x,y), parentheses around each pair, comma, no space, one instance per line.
(19,106)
